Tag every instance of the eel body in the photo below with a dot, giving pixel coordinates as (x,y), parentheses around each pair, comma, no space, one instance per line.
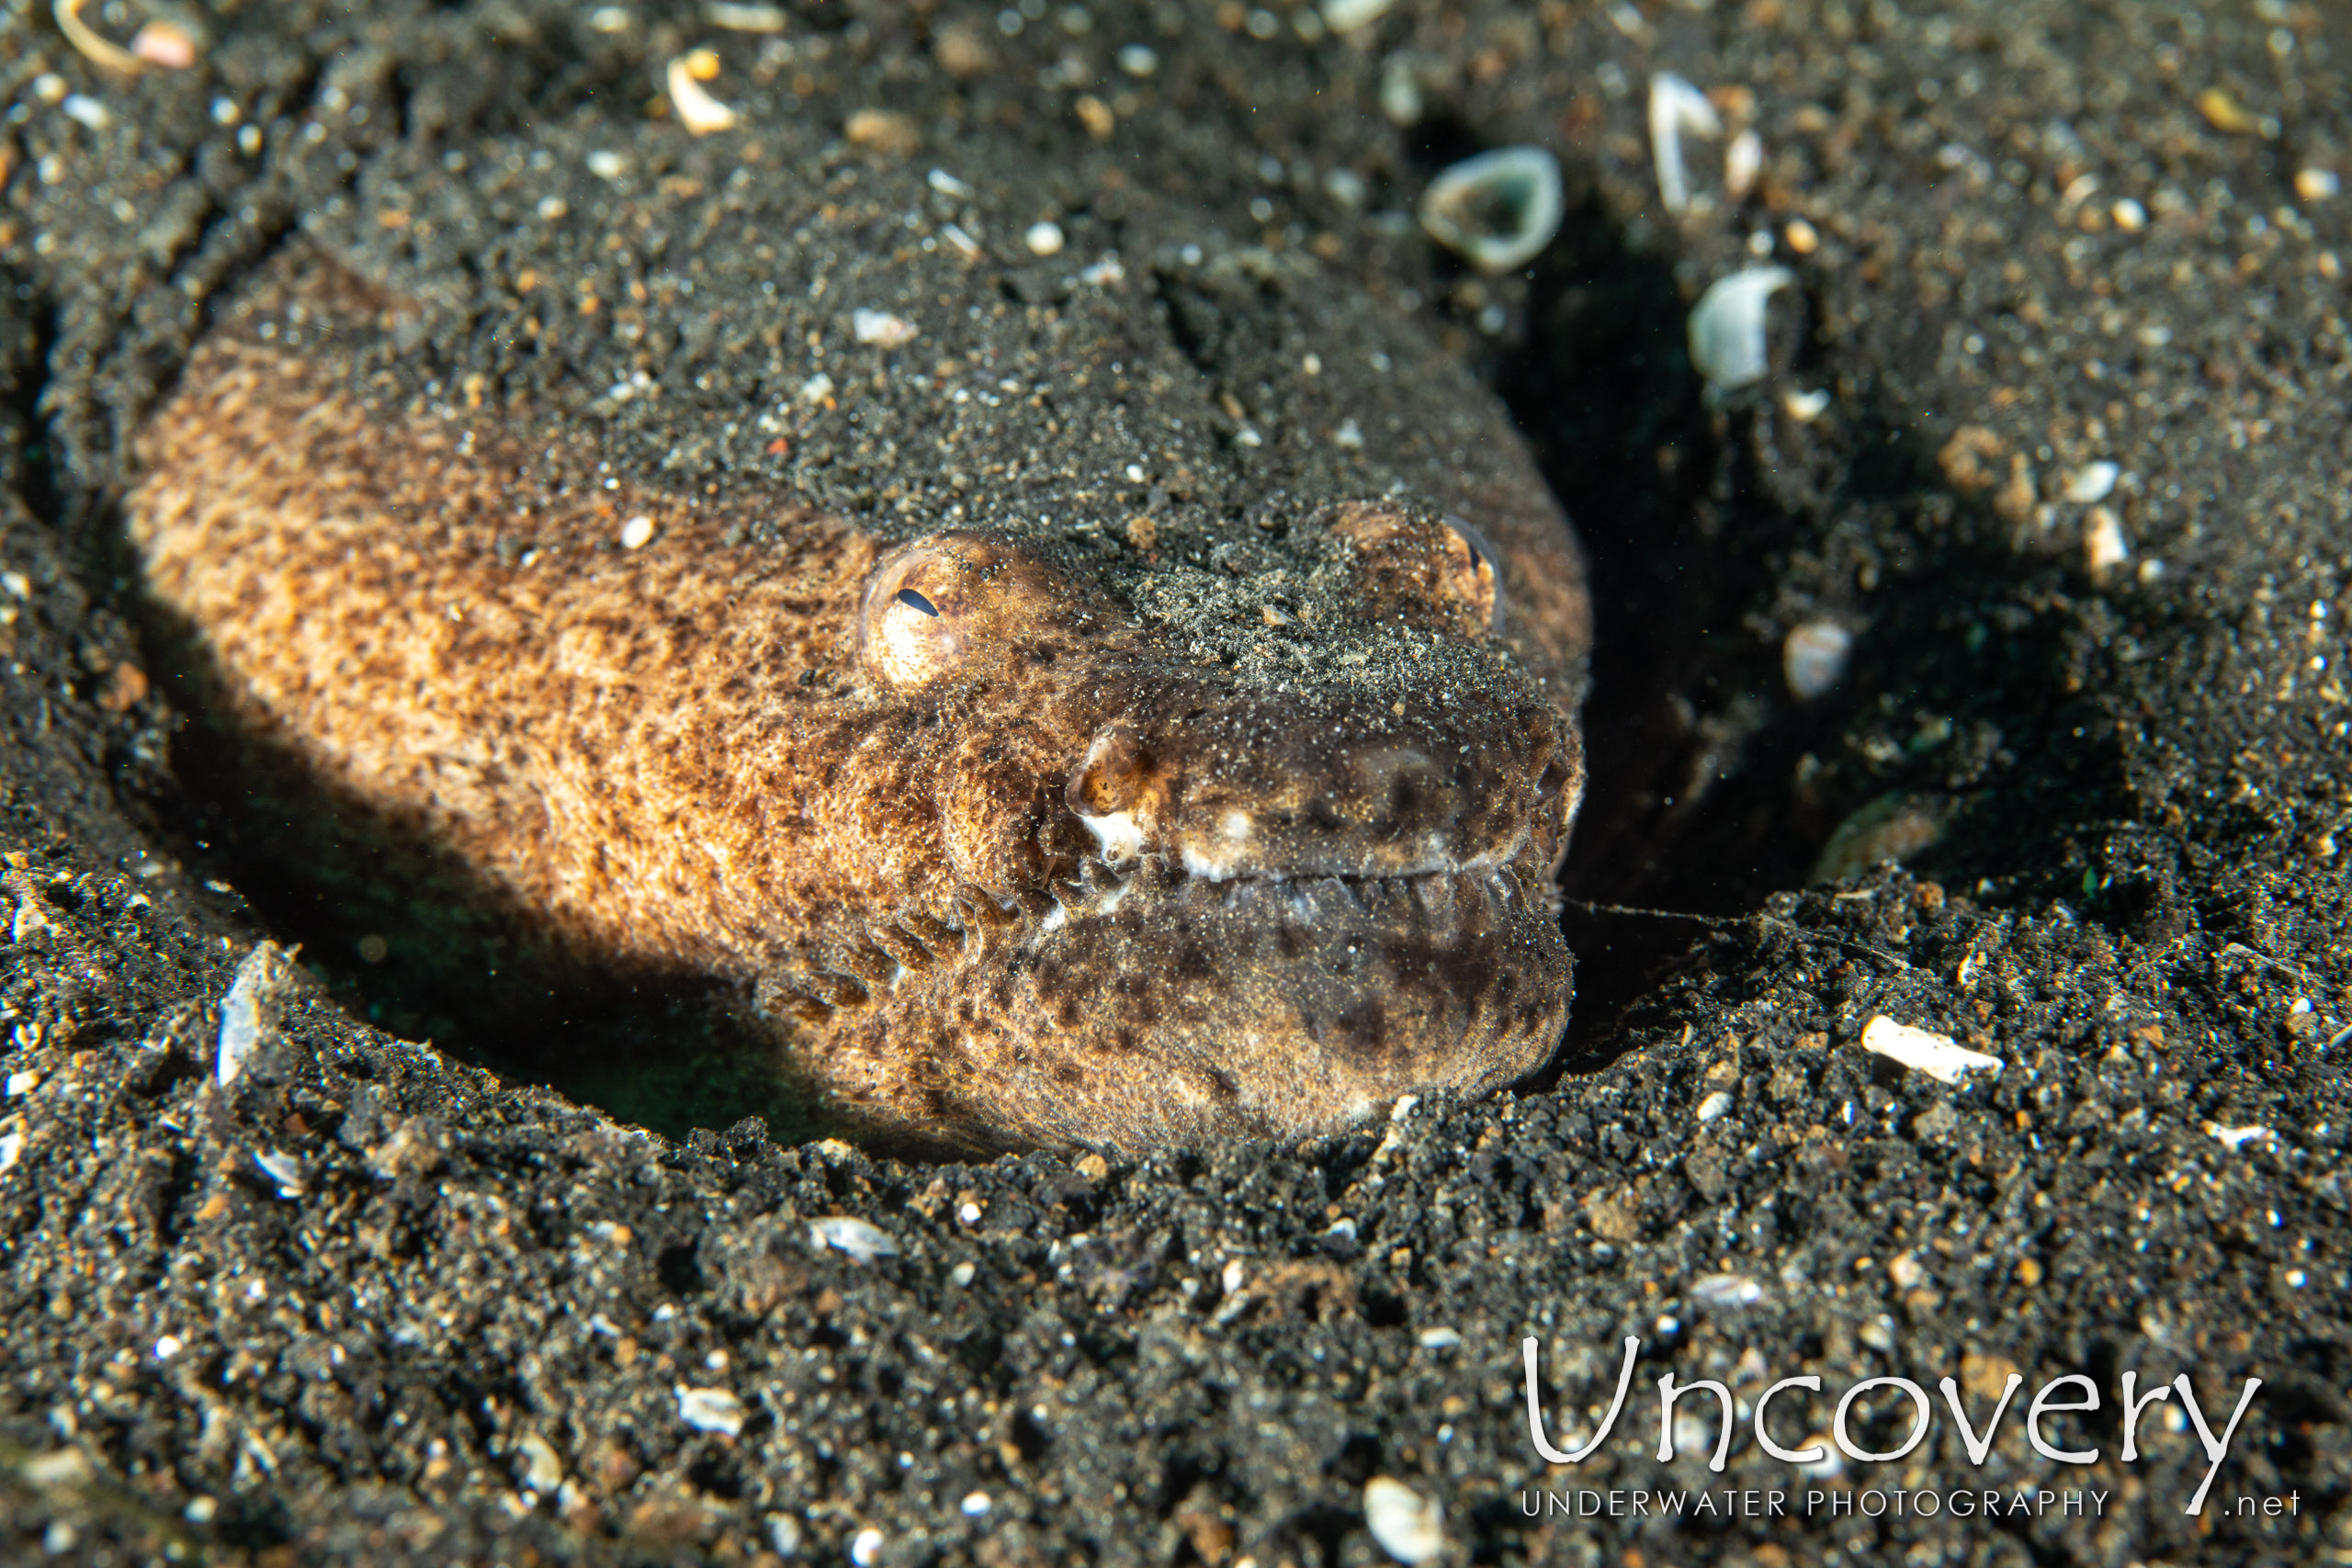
(1008,835)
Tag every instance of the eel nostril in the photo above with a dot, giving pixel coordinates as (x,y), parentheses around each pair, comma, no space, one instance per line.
(1554,774)
(1110,777)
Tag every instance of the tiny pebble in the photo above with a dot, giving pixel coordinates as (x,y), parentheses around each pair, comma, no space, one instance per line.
(974,1503)
(1043,239)
(867,1547)
(637,533)
(2317,184)
(1139,60)
(1714,1106)
(86,111)
(167,1347)
(2129,215)
(1439,1338)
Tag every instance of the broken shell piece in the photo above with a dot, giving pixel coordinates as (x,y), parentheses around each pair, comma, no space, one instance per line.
(1806,407)
(1940,1056)
(1496,210)
(1813,658)
(2238,1137)
(1676,107)
(1347,16)
(101,51)
(1720,1291)
(698,110)
(1727,328)
(745,19)
(2091,482)
(1743,161)
(845,1232)
(2103,545)
(710,1410)
(252,1012)
(1408,1527)
(882,328)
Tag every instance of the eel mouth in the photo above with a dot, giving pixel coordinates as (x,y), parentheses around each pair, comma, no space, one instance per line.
(1161,1005)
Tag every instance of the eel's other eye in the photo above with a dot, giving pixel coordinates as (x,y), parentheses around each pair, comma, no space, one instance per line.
(1475,572)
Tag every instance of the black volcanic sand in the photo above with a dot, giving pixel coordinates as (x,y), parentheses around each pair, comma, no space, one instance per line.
(452,1318)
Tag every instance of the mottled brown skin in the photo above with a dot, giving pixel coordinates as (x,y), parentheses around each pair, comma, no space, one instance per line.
(1001,865)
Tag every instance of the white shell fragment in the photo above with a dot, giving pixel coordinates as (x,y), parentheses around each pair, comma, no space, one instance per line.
(249,1014)
(1806,407)
(1347,16)
(737,17)
(12,1149)
(2092,483)
(1743,161)
(1496,210)
(637,533)
(710,1410)
(881,328)
(1727,328)
(855,1236)
(1813,657)
(283,1170)
(536,1464)
(1937,1055)
(1723,1291)
(2103,544)
(1439,1338)
(1714,1107)
(698,110)
(2238,1137)
(1676,107)
(1408,1527)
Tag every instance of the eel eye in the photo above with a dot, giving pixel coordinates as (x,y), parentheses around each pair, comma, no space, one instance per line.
(952,603)
(1475,572)
(914,628)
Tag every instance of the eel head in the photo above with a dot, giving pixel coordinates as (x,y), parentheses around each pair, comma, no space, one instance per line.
(1201,853)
